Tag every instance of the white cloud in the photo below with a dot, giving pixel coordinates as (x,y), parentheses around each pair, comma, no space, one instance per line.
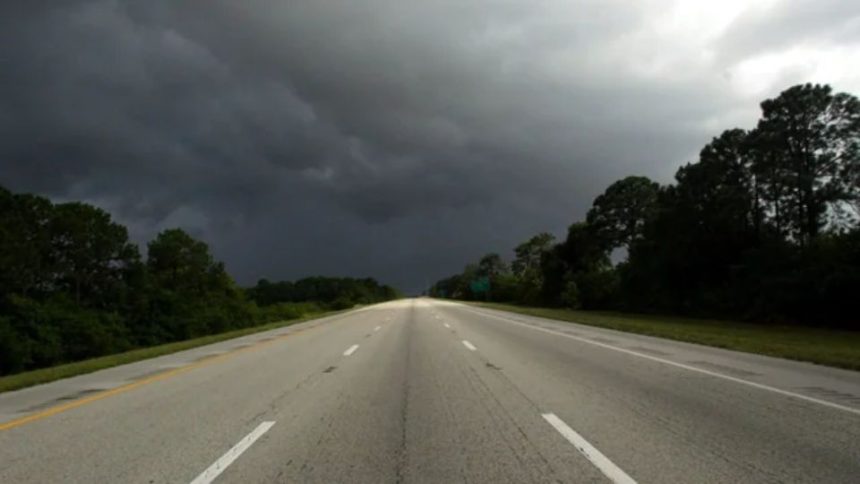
(763,75)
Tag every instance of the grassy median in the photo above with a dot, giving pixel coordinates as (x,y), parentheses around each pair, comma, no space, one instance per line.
(822,346)
(45,375)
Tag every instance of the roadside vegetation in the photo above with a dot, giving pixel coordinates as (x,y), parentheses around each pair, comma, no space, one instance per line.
(823,346)
(763,228)
(73,287)
(45,375)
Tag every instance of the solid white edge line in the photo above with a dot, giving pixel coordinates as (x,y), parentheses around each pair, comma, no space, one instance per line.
(753,384)
(225,460)
(350,350)
(610,470)
(469,345)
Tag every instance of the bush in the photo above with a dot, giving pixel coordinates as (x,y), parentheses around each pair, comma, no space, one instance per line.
(597,289)
(14,348)
(570,295)
(342,303)
(287,311)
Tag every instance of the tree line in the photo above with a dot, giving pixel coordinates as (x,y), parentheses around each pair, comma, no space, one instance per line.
(72,286)
(334,292)
(765,227)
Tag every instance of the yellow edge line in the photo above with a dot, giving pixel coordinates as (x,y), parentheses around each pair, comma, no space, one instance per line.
(131,386)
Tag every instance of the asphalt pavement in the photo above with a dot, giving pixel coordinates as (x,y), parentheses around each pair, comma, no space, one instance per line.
(421,390)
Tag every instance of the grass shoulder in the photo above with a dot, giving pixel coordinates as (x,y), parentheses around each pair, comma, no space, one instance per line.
(45,375)
(816,345)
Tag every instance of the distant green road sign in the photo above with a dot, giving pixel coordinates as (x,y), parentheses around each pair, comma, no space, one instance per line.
(479,285)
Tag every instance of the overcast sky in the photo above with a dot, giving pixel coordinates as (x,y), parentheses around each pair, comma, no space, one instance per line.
(394,139)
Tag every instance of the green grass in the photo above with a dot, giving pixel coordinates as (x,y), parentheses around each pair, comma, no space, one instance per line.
(822,346)
(45,375)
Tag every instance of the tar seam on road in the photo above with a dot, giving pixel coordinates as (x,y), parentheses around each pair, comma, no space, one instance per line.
(469,345)
(760,386)
(350,350)
(610,470)
(402,452)
(225,460)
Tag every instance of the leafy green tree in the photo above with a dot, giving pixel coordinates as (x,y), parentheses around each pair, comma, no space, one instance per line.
(178,262)
(808,146)
(570,269)
(25,253)
(526,267)
(528,253)
(555,277)
(589,272)
(90,253)
(324,290)
(505,288)
(718,198)
(192,293)
(492,266)
(14,348)
(582,250)
(72,287)
(758,227)
(464,288)
(619,214)
(697,240)
(63,281)
(447,288)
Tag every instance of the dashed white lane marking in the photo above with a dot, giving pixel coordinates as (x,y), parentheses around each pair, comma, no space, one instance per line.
(753,384)
(350,350)
(469,345)
(447,325)
(610,470)
(377,328)
(221,464)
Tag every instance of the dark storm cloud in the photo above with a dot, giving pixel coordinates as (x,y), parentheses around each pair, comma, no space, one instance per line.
(392,139)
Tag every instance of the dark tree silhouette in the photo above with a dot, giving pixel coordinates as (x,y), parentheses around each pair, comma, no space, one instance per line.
(809,156)
(618,216)
(764,226)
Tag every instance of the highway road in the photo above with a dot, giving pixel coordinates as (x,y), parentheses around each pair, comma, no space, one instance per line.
(421,390)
